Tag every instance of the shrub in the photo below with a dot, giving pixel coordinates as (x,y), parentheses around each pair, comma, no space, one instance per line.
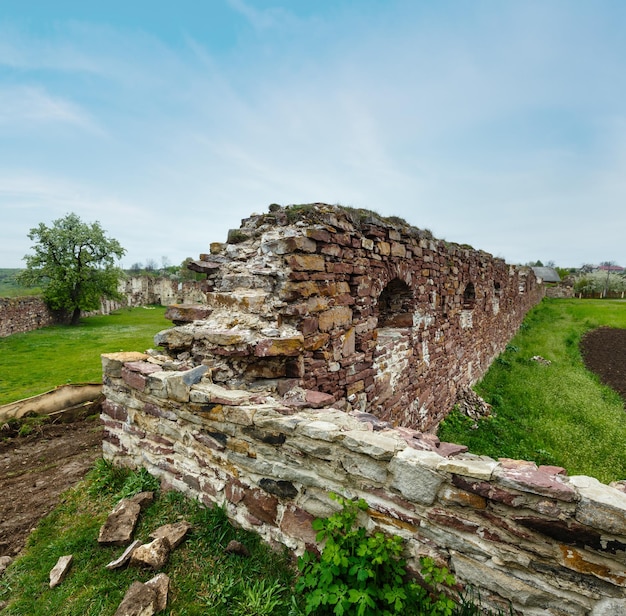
(361,575)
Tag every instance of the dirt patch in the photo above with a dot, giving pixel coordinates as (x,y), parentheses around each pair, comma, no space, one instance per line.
(36,469)
(604,352)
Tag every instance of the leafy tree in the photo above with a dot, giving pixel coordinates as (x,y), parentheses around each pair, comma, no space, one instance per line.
(74,262)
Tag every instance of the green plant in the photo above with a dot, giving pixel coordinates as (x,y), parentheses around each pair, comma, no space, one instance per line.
(363,575)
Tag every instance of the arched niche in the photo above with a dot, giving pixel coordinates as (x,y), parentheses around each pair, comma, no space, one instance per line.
(395,305)
(469,296)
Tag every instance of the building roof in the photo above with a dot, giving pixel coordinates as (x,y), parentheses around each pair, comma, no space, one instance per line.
(547,274)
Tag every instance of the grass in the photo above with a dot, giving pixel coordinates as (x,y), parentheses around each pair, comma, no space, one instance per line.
(556,414)
(35,362)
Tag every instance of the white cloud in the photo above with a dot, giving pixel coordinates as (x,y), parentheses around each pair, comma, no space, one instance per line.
(26,105)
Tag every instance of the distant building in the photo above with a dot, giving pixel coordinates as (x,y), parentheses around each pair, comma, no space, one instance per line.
(613,269)
(546,274)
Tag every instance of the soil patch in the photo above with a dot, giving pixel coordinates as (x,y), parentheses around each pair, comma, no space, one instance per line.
(36,469)
(604,352)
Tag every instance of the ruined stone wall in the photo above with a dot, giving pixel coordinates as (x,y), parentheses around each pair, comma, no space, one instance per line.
(326,339)
(371,311)
(151,290)
(24,314)
(547,543)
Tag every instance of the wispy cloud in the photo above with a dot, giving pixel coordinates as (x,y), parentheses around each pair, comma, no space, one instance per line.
(31,106)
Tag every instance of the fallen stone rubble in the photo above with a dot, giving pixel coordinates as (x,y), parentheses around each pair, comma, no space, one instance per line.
(141,599)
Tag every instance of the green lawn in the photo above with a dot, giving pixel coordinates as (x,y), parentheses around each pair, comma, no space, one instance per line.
(553,414)
(34,362)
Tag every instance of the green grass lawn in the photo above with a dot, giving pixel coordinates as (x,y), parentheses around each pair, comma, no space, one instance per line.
(34,362)
(553,414)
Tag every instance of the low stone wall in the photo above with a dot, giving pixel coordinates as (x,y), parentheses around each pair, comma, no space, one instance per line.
(24,314)
(547,543)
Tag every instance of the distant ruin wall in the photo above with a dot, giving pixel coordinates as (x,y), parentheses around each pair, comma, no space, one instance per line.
(548,544)
(24,314)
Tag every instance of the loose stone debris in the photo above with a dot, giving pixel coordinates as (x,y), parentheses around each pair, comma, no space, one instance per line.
(120,524)
(125,557)
(141,599)
(59,571)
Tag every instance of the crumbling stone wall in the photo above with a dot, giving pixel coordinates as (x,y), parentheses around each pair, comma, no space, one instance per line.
(371,311)
(24,314)
(549,544)
(157,290)
(328,337)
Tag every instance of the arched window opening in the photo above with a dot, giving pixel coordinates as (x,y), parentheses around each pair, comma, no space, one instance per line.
(469,296)
(395,305)
(497,289)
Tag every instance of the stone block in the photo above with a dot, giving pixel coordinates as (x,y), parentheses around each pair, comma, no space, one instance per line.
(288,245)
(226,337)
(320,430)
(600,506)
(307,263)
(339,316)
(273,347)
(477,469)
(187,313)
(112,362)
(525,476)
(296,522)
(175,338)
(379,446)
(157,384)
(365,467)
(60,570)
(261,505)
(115,411)
(210,393)
(398,250)
(414,475)
(134,379)
(291,291)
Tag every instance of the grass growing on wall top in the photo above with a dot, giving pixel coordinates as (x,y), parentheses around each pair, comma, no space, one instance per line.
(34,362)
(556,414)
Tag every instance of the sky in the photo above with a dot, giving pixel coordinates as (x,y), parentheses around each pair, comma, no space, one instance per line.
(495,123)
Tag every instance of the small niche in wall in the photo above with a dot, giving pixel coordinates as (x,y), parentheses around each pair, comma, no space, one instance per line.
(469,296)
(395,305)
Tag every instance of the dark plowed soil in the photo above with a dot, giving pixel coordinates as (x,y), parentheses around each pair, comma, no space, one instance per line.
(604,352)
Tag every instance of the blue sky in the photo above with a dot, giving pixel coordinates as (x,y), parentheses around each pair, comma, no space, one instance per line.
(496,123)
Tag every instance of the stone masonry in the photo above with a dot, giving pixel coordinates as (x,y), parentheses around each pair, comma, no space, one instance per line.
(299,375)
(24,314)
(547,543)
(376,314)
